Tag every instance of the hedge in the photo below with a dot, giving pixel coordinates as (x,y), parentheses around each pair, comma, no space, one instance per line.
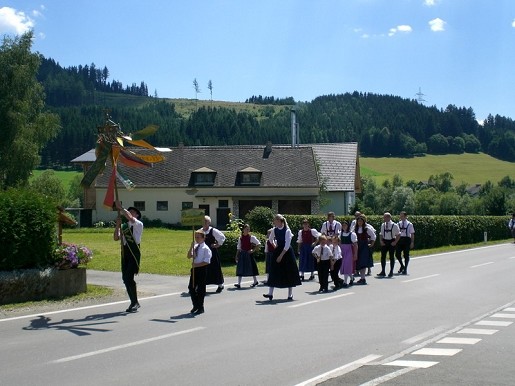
(28,233)
(430,231)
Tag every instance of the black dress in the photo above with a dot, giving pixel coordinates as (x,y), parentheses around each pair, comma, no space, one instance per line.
(286,273)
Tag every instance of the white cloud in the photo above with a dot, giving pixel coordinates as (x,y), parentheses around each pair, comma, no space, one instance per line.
(400,28)
(430,3)
(437,25)
(513,23)
(13,21)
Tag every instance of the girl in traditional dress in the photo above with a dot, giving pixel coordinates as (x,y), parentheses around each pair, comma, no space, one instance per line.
(306,240)
(246,264)
(366,239)
(284,272)
(349,248)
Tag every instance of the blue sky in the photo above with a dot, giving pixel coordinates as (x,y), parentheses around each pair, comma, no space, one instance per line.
(459,52)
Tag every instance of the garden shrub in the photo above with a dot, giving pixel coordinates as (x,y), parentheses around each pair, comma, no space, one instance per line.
(28,237)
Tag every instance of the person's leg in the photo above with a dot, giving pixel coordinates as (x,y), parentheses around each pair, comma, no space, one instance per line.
(406,257)
(398,254)
(384,249)
(200,283)
(391,252)
(192,292)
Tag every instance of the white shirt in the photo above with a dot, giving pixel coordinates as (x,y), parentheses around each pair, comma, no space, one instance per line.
(337,252)
(406,228)
(314,233)
(253,240)
(353,237)
(389,230)
(323,252)
(370,230)
(202,253)
(331,228)
(217,234)
(137,230)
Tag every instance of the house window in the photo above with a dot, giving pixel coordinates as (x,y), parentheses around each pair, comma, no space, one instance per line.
(204,179)
(187,205)
(139,205)
(223,203)
(253,178)
(162,206)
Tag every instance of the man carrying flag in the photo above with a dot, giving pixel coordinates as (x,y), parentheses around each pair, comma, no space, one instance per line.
(131,232)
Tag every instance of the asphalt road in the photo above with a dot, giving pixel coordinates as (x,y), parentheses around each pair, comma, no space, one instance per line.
(449,322)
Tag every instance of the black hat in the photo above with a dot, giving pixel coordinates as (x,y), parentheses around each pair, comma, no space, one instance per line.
(136,210)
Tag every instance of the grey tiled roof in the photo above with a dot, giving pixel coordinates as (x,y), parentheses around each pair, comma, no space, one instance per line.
(285,167)
(337,164)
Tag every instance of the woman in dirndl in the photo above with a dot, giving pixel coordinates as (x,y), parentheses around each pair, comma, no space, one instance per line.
(245,262)
(284,272)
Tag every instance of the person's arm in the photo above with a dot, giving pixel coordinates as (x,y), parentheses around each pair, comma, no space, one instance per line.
(128,215)
(116,234)
(191,251)
(219,237)
(412,244)
(381,231)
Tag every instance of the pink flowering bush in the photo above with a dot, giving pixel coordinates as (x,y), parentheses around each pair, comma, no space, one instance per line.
(71,255)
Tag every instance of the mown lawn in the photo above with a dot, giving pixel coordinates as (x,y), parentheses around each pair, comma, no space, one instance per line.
(164,250)
(468,168)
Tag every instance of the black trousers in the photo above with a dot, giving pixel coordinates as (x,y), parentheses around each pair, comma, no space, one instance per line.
(130,268)
(323,273)
(197,286)
(403,248)
(335,271)
(390,249)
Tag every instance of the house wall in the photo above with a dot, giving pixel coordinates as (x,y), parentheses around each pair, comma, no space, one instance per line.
(174,197)
(337,202)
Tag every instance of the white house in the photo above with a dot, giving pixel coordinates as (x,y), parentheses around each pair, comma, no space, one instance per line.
(305,179)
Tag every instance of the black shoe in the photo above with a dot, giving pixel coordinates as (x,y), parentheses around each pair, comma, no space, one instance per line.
(311,278)
(199,311)
(361,282)
(133,308)
(320,289)
(369,273)
(401,270)
(405,272)
(254,284)
(390,274)
(237,285)
(269,297)
(345,285)
(325,290)
(351,283)
(290,298)
(381,274)
(219,289)
(193,310)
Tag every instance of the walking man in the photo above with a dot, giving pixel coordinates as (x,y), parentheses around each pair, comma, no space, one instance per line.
(405,243)
(388,237)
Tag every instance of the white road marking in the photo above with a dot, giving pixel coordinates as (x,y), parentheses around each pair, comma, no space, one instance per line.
(424,335)
(451,340)
(339,371)
(493,323)
(509,309)
(415,364)
(420,278)
(122,346)
(86,307)
(481,265)
(387,377)
(320,300)
(477,331)
(501,315)
(448,352)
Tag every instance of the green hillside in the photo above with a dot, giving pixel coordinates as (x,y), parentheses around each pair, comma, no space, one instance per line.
(468,168)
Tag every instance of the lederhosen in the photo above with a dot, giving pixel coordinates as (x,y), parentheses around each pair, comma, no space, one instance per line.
(403,245)
(387,248)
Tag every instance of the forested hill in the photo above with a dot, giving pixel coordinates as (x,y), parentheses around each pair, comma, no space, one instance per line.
(384,125)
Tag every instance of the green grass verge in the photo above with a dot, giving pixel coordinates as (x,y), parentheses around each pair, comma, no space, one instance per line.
(92,292)
(468,168)
(65,177)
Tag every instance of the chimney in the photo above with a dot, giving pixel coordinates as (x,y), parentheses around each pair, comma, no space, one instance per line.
(267,150)
(294,129)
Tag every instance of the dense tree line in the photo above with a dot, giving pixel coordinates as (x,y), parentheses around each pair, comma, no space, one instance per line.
(439,196)
(383,125)
(76,85)
(270,100)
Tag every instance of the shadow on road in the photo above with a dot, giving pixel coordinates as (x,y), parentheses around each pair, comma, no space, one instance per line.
(79,327)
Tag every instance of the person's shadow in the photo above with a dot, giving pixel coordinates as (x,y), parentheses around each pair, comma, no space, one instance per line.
(79,327)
